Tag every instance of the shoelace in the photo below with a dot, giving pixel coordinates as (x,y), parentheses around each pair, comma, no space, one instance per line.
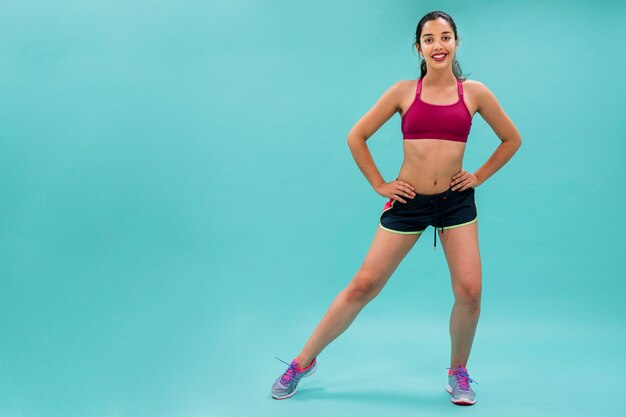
(462,377)
(290,374)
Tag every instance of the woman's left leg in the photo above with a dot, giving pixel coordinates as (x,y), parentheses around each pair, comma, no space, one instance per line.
(460,245)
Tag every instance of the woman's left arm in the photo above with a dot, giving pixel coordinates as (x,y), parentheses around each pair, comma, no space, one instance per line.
(494,115)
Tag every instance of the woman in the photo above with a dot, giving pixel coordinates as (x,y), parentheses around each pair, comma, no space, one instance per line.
(431,189)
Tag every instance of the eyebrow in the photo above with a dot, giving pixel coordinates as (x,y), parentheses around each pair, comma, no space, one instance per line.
(430,34)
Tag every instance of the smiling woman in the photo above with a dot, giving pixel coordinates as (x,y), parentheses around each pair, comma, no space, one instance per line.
(431,189)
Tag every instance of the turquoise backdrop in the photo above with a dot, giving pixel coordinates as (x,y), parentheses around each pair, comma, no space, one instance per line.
(179,205)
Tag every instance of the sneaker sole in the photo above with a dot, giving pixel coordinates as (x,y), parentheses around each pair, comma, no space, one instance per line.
(295,390)
(461,401)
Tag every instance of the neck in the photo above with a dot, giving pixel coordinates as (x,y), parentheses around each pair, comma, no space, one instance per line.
(441,78)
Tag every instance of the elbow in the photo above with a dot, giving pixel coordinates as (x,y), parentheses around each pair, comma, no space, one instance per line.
(352,139)
(516,142)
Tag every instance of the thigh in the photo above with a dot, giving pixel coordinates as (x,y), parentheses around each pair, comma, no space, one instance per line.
(385,254)
(460,245)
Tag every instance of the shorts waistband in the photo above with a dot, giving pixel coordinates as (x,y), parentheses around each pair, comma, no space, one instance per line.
(430,196)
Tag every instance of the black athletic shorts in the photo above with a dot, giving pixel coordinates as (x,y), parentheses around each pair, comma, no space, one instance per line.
(445,210)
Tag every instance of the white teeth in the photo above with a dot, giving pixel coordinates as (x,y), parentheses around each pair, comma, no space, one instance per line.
(439,56)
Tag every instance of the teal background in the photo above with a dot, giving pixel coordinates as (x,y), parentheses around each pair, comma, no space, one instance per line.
(179,205)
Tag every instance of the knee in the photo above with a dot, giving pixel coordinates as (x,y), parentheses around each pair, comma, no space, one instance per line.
(363,287)
(469,295)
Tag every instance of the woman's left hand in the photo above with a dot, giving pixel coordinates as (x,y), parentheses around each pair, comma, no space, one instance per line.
(463,180)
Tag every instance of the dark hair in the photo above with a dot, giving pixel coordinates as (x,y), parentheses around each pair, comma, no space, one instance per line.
(456,68)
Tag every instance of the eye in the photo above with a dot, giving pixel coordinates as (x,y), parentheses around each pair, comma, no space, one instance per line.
(445,37)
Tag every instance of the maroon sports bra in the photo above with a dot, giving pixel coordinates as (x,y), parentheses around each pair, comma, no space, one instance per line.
(437,121)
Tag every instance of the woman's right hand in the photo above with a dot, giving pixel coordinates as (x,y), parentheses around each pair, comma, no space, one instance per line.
(394,189)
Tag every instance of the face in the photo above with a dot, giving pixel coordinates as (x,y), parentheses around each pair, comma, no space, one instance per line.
(437,38)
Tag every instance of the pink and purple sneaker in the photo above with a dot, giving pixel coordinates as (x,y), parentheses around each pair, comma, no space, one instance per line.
(458,386)
(287,384)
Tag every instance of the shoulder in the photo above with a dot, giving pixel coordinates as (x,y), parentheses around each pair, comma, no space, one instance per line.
(397,91)
(407,84)
(401,86)
(479,91)
(475,87)
(393,89)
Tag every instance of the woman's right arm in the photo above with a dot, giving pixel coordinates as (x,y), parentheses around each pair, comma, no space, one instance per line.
(386,106)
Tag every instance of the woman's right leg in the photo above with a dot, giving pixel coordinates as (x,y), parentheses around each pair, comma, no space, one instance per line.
(385,254)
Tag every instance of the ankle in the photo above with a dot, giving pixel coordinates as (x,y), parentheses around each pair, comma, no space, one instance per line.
(303,361)
(454,368)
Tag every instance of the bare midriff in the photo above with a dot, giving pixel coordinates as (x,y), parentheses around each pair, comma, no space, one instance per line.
(429,164)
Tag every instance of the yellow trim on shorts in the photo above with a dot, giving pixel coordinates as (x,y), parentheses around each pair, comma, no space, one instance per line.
(402,233)
(457,225)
